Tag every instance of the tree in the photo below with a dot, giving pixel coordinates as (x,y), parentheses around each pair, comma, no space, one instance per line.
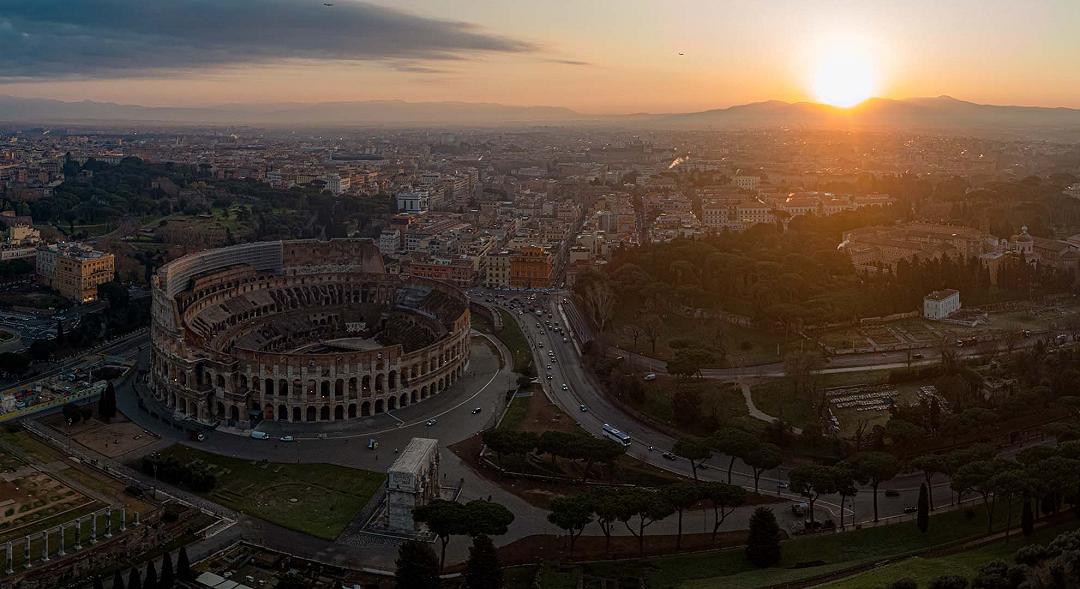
(482,570)
(607,505)
(930,464)
(41,350)
(686,406)
(682,496)
(417,567)
(117,580)
(593,450)
(183,566)
(812,481)
(997,574)
(764,457)
(724,499)
(71,413)
(693,450)
(151,579)
(874,468)
(571,514)
(653,327)
(97,583)
(444,519)
(922,519)
(134,579)
(763,541)
(506,442)
(599,301)
(107,403)
(115,294)
(167,578)
(648,507)
(1027,518)
(844,485)
(976,477)
(1009,484)
(14,363)
(904,583)
(734,442)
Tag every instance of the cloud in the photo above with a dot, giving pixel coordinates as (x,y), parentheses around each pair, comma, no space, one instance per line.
(568,61)
(126,38)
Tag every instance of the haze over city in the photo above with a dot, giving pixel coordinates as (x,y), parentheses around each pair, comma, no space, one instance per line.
(604,57)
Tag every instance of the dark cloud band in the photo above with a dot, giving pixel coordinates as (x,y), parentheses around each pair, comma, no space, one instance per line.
(111,38)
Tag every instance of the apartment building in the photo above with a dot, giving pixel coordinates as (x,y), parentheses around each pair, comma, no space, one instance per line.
(74,270)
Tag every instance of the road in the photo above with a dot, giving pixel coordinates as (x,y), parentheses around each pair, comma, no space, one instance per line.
(649,443)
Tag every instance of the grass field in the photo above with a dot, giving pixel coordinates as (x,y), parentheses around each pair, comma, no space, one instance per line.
(924,570)
(745,346)
(729,568)
(723,399)
(511,336)
(777,397)
(317,499)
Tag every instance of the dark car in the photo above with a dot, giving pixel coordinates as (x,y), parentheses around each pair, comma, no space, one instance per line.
(670,456)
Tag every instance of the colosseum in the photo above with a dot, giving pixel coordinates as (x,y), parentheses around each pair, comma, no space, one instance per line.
(300,331)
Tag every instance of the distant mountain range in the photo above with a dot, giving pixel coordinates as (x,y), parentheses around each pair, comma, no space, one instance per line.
(941,114)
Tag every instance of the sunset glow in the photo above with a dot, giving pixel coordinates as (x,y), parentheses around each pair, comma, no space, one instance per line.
(844,77)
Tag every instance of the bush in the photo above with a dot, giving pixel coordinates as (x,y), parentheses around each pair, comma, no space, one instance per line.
(905,583)
(949,582)
(763,541)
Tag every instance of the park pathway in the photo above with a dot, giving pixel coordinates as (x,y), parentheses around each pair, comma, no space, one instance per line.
(758,413)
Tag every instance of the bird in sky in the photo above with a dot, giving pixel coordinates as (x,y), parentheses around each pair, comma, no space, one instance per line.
(681,53)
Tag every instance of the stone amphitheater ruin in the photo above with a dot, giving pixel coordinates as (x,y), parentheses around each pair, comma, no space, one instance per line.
(300,331)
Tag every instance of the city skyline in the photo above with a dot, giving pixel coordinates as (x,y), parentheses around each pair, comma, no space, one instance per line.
(600,58)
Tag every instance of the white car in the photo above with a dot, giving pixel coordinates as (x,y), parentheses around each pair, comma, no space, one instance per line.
(431,422)
(287,439)
(565,388)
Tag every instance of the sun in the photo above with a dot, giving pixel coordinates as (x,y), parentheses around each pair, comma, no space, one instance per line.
(844,76)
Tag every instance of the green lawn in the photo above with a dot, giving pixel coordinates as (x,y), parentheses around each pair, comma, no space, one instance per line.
(317,499)
(745,346)
(721,398)
(511,336)
(924,570)
(730,569)
(515,414)
(777,397)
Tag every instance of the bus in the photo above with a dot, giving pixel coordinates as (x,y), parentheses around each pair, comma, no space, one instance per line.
(620,437)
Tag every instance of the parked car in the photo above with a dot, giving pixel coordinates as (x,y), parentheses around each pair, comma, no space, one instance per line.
(287,439)
(260,435)
(431,422)
(650,376)
(670,456)
(476,410)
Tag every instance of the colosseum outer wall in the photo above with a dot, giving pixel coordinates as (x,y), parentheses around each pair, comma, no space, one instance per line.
(199,373)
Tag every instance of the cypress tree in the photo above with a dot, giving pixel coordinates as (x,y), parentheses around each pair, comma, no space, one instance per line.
(1027,518)
(923,517)
(183,566)
(482,570)
(134,580)
(417,566)
(167,579)
(117,580)
(151,580)
(763,542)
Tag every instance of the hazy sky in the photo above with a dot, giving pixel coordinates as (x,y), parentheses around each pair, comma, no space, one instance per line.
(598,56)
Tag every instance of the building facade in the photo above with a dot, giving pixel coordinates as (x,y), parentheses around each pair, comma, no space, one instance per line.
(530,267)
(940,304)
(300,331)
(74,270)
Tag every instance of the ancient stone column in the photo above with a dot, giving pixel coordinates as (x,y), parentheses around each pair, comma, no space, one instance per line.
(45,546)
(78,533)
(108,522)
(135,522)
(123,518)
(61,553)
(26,553)
(93,528)
(7,549)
